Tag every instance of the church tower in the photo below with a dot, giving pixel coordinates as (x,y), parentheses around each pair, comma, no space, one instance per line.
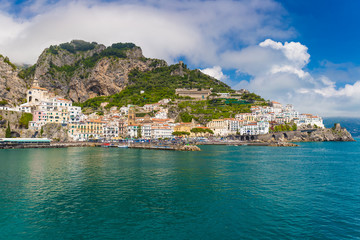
(35,83)
(131,116)
(36,94)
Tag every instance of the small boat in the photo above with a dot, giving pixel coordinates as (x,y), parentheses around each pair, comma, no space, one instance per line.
(123,146)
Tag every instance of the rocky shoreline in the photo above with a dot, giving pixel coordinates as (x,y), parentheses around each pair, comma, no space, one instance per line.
(336,133)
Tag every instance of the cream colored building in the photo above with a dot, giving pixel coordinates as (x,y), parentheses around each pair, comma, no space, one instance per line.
(83,131)
(193,93)
(37,94)
(219,127)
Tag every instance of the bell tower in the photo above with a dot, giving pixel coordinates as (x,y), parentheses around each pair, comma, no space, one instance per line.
(36,83)
(131,116)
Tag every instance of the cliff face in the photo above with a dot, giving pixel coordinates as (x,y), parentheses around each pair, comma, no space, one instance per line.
(55,132)
(12,88)
(109,76)
(82,70)
(13,118)
(51,130)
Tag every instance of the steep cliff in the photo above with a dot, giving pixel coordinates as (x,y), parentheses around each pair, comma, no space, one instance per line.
(82,70)
(14,121)
(12,88)
(54,131)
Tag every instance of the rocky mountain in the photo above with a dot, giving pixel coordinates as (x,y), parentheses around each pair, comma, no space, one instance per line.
(81,70)
(12,88)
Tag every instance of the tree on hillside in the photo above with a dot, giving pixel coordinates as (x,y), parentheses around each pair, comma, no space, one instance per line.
(8,131)
(201,130)
(25,119)
(180,133)
(139,132)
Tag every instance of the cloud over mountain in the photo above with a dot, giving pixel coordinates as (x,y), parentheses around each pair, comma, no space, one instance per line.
(198,30)
(217,36)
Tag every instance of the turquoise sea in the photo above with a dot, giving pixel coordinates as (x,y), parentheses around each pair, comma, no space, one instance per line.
(223,192)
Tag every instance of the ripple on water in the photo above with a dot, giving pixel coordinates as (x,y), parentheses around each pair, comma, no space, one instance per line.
(223,192)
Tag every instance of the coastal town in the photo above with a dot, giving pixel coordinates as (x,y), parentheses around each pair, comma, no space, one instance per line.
(133,121)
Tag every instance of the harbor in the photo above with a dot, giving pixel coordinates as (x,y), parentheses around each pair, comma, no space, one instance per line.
(18,143)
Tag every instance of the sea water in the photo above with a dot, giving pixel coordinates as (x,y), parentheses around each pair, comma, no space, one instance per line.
(223,192)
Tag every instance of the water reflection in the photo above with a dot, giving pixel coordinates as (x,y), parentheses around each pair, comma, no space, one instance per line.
(222,192)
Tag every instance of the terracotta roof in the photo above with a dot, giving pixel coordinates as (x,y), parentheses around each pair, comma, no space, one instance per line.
(39,88)
(63,99)
(96,121)
(182,123)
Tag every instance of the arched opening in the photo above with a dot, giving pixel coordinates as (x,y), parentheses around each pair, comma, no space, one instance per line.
(252,138)
(30,98)
(273,136)
(285,135)
(95,89)
(14,134)
(247,138)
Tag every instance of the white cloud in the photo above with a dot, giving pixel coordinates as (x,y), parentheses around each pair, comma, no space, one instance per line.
(215,72)
(224,34)
(295,52)
(278,73)
(198,30)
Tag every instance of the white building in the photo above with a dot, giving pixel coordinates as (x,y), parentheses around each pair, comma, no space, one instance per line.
(162,132)
(255,128)
(110,131)
(74,114)
(146,131)
(132,131)
(162,114)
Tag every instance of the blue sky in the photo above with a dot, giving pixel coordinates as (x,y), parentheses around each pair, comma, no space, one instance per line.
(299,52)
(328,28)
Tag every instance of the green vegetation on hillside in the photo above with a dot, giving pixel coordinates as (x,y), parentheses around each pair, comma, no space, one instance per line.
(8,131)
(284,127)
(158,84)
(180,133)
(3,102)
(201,130)
(252,97)
(76,46)
(25,119)
(27,72)
(205,111)
(116,50)
(7,60)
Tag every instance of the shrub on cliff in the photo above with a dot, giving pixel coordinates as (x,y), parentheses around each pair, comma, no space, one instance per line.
(25,119)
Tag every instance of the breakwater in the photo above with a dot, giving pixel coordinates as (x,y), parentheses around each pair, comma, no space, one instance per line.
(48,145)
(174,147)
(242,143)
